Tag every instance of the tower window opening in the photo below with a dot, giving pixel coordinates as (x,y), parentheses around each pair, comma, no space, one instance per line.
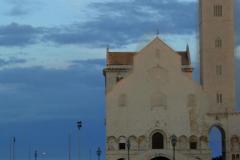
(219,98)
(218,43)
(217,10)
(235,157)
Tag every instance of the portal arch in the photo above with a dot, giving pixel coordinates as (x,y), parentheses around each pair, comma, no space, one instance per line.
(160,158)
(158,139)
(221,138)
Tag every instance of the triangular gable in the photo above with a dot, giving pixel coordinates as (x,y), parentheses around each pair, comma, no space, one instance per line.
(155,53)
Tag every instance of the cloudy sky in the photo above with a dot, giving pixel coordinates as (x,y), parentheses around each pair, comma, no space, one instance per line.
(51,60)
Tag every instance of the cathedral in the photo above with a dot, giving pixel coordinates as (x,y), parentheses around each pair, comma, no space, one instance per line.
(156,111)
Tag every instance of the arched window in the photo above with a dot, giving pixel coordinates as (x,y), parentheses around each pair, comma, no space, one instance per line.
(157,141)
(218,43)
(142,142)
(112,143)
(183,141)
(121,159)
(203,142)
(122,143)
(219,98)
(218,10)
(133,143)
(235,147)
(193,142)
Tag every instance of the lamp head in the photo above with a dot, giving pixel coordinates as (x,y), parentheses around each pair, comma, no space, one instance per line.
(173,140)
(99,151)
(79,124)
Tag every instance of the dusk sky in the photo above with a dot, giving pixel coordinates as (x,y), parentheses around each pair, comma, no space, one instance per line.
(52,53)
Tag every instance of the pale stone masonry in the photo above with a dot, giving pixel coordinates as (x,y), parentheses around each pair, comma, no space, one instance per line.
(150,95)
(217,52)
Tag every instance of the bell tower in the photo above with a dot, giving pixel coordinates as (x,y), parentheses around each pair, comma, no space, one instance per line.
(217,46)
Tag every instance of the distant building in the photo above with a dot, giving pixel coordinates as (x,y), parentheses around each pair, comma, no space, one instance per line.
(150,95)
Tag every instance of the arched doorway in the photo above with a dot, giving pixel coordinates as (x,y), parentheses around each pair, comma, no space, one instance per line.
(217,142)
(160,158)
(157,141)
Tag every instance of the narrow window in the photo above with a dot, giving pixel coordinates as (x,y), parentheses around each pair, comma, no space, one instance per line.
(193,142)
(193,145)
(122,146)
(122,143)
(214,10)
(220,11)
(233,156)
(157,141)
(237,157)
(219,98)
(217,10)
(218,43)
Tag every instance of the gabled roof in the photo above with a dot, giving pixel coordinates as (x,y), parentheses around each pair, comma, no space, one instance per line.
(185,59)
(126,58)
(120,58)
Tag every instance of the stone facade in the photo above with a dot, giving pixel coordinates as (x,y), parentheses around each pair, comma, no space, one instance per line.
(150,95)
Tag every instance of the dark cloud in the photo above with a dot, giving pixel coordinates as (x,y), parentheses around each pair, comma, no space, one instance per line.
(116,24)
(19,35)
(11,61)
(48,93)
(121,23)
(17,11)
(22,7)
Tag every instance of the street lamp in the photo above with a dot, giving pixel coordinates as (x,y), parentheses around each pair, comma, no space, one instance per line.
(14,142)
(128,148)
(173,142)
(35,154)
(98,153)
(79,126)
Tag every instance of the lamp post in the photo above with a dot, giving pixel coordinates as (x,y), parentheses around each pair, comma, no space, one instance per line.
(35,154)
(173,142)
(128,148)
(13,141)
(79,126)
(69,146)
(98,153)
